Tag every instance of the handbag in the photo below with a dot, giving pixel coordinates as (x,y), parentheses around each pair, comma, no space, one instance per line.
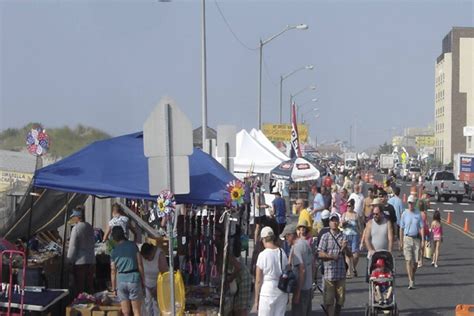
(287,282)
(428,251)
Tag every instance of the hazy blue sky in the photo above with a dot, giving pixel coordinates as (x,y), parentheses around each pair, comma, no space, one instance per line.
(107,63)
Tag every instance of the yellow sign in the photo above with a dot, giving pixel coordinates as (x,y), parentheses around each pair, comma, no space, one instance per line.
(11,179)
(424,141)
(397,140)
(404,157)
(282,132)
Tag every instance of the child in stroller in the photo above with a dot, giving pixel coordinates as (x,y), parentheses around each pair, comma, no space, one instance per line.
(382,282)
(381,269)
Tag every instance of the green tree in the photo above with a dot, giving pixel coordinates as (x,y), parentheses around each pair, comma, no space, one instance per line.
(385,148)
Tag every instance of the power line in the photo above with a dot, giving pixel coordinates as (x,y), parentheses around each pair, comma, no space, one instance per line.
(230,29)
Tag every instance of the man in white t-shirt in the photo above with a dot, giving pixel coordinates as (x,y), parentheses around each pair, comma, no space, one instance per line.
(358,198)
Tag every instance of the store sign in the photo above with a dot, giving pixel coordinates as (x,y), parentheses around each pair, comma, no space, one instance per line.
(10,180)
(282,132)
(468,131)
(424,141)
(466,172)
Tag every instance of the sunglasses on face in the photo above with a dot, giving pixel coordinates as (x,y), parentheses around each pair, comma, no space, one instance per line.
(376,214)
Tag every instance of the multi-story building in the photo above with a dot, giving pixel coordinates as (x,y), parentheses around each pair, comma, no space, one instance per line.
(454,94)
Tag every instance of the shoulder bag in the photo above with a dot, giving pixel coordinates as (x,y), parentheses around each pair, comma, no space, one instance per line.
(287,282)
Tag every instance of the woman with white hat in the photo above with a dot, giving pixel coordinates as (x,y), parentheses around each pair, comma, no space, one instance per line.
(269,299)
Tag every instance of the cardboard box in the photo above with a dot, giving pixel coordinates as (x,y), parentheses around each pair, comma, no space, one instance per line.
(113,310)
(75,311)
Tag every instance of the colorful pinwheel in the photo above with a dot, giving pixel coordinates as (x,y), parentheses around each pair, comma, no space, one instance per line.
(165,203)
(37,141)
(234,195)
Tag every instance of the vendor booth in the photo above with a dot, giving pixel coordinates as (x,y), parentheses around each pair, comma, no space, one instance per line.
(118,168)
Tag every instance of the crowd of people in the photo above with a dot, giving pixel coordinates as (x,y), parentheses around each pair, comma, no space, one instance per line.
(345,216)
(317,251)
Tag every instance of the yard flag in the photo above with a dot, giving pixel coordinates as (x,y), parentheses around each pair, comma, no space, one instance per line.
(295,143)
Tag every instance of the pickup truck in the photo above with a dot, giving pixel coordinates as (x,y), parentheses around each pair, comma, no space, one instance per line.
(444,184)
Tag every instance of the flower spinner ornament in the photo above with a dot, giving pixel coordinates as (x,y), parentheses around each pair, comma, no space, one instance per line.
(37,141)
(235,193)
(166,203)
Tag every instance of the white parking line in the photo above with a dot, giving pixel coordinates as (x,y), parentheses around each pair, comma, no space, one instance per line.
(448,211)
(430,210)
(433,203)
(447,203)
(468,211)
(464,204)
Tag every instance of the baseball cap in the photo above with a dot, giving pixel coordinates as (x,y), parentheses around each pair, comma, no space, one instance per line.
(334,216)
(267,231)
(376,201)
(302,222)
(325,214)
(289,229)
(411,199)
(76,213)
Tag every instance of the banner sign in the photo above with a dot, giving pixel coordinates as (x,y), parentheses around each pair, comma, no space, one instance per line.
(295,142)
(466,172)
(424,141)
(282,132)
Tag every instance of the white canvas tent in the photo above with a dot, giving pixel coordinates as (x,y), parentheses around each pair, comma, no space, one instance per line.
(265,142)
(252,157)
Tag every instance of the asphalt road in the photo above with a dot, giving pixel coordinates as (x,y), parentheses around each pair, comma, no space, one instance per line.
(438,290)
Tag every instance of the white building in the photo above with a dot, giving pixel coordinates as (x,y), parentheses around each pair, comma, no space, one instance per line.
(454,94)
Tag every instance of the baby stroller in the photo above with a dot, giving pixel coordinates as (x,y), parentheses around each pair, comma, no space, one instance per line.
(382,283)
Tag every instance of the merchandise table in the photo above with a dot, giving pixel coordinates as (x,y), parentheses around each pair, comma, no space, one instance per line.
(36,301)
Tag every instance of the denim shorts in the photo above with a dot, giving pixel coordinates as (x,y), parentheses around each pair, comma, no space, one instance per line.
(128,291)
(353,242)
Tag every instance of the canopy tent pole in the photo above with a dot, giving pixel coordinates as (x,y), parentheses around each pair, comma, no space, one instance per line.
(64,240)
(226,219)
(32,196)
(93,211)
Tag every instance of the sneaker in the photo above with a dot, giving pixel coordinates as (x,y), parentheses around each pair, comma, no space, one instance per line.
(420,264)
(411,285)
(435,265)
(432,263)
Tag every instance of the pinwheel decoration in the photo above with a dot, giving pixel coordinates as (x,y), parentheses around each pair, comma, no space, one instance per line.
(235,193)
(37,141)
(166,203)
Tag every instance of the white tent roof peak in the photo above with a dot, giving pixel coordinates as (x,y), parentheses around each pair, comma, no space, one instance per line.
(253,156)
(265,142)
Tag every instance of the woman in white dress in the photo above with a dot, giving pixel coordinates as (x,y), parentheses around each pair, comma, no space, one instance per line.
(154,262)
(269,299)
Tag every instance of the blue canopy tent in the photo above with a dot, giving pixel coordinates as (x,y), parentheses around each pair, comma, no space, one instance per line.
(114,167)
(117,167)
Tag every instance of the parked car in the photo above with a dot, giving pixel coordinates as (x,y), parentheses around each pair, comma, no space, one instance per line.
(443,184)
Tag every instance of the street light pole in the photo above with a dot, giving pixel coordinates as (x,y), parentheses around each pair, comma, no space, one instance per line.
(261,44)
(204,76)
(283,77)
(311,87)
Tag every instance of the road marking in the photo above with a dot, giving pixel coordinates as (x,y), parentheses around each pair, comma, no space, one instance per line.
(464,204)
(430,210)
(468,211)
(448,211)
(459,228)
(447,203)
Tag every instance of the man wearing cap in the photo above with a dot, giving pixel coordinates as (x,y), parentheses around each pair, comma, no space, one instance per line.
(301,261)
(411,235)
(81,252)
(332,249)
